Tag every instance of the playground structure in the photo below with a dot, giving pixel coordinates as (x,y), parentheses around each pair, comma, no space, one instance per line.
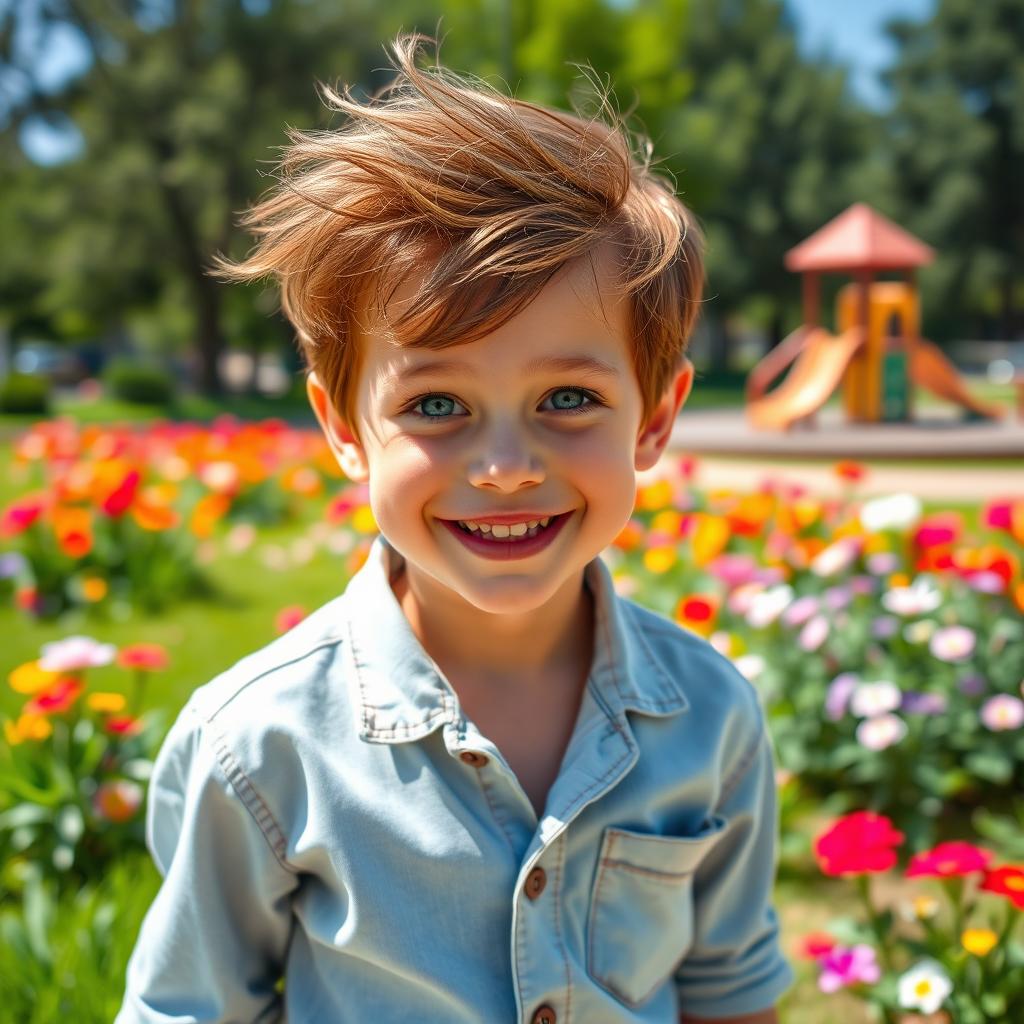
(877,357)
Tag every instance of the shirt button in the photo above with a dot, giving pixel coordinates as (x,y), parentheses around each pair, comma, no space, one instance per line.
(535,882)
(473,759)
(544,1015)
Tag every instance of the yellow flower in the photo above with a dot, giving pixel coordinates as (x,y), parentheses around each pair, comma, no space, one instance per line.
(106,702)
(30,678)
(659,559)
(667,521)
(978,941)
(653,496)
(926,906)
(94,588)
(363,520)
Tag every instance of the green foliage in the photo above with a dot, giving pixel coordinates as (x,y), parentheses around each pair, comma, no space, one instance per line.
(137,382)
(24,393)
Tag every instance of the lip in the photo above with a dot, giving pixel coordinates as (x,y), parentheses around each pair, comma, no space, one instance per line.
(503,551)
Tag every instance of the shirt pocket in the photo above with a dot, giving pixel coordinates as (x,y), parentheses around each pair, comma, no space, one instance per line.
(641,908)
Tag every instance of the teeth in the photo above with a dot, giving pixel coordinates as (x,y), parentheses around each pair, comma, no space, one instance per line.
(502,531)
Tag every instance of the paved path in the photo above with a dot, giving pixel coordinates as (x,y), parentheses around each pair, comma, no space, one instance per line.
(938,483)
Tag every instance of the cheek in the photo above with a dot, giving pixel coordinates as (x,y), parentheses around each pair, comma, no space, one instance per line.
(403,477)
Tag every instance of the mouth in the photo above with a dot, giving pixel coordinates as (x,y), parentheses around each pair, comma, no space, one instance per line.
(513,540)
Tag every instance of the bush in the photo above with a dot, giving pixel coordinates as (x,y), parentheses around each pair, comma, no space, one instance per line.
(142,383)
(25,393)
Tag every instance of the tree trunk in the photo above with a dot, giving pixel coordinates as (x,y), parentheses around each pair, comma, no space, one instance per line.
(775,334)
(209,341)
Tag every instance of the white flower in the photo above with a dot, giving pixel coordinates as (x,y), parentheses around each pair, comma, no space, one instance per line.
(875,698)
(919,598)
(767,606)
(924,987)
(1002,712)
(836,557)
(893,512)
(918,632)
(881,731)
(75,653)
(750,665)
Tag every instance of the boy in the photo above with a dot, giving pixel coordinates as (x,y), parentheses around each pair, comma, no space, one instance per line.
(478,786)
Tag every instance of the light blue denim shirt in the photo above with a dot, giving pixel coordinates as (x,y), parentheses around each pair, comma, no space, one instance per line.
(323,810)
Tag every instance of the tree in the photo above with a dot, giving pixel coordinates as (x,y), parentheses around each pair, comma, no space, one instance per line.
(957,137)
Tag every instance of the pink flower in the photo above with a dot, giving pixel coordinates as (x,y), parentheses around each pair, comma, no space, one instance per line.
(1002,712)
(76,653)
(881,731)
(289,617)
(814,634)
(800,610)
(842,966)
(949,860)
(952,643)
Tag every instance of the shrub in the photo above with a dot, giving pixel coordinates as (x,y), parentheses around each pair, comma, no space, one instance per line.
(142,383)
(25,393)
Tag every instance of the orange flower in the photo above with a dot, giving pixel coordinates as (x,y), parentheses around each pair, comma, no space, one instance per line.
(56,698)
(302,480)
(28,727)
(1018,597)
(117,801)
(630,536)
(1006,881)
(752,511)
(798,515)
(153,516)
(698,613)
(150,657)
(30,678)
(209,510)
(73,529)
(114,484)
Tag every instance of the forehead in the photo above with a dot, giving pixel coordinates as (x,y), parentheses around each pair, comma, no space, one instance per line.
(578,317)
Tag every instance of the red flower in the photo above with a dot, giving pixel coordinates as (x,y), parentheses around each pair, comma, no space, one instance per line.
(289,617)
(851,471)
(998,515)
(1006,881)
(122,725)
(949,860)
(21,514)
(859,843)
(151,657)
(119,500)
(939,528)
(55,698)
(816,944)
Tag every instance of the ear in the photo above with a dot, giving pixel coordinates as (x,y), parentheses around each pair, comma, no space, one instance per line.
(347,449)
(655,433)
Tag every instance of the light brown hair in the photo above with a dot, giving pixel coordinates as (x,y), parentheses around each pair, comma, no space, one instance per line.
(494,195)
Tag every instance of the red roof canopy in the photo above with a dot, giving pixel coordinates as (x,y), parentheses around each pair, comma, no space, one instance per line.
(860,238)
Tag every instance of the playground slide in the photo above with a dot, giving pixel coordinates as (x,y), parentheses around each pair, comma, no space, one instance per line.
(814,376)
(929,368)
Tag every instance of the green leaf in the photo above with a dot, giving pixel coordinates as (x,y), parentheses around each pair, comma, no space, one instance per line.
(990,766)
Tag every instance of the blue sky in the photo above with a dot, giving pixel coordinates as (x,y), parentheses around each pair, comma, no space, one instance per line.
(849,31)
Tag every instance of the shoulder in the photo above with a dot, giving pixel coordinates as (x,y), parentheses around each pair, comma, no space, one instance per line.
(716,695)
(274,695)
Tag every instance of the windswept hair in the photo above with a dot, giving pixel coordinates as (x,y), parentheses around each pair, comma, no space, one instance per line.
(492,196)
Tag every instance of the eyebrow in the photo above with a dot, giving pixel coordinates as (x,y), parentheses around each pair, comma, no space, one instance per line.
(545,364)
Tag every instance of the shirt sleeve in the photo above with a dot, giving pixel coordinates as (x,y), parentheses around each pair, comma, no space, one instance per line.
(735,965)
(213,943)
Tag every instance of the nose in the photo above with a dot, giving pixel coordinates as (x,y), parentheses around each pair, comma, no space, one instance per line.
(505,462)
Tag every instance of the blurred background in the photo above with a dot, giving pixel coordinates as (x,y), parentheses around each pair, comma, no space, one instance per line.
(134,133)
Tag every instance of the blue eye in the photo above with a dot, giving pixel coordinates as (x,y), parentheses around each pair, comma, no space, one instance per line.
(439,406)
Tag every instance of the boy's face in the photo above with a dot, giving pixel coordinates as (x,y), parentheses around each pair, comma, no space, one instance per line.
(540,418)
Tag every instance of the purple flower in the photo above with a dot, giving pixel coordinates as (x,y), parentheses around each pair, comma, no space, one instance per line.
(842,966)
(918,703)
(800,610)
(11,564)
(838,597)
(986,582)
(884,627)
(862,585)
(838,695)
(881,563)
(972,685)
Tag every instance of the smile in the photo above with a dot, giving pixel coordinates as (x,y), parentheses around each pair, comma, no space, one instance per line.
(507,540)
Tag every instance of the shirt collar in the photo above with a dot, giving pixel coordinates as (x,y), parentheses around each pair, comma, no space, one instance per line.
(403,694)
